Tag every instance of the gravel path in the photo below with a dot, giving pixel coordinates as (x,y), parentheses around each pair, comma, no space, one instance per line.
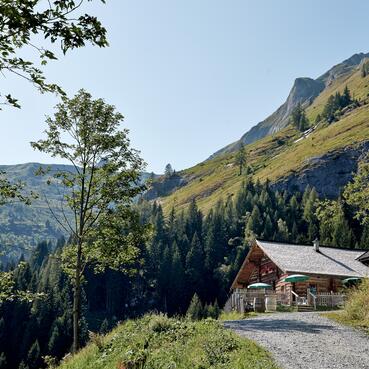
(306,341)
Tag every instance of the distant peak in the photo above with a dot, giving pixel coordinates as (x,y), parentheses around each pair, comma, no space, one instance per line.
(355,59)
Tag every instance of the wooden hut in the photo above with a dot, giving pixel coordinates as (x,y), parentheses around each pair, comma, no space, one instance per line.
(326,267)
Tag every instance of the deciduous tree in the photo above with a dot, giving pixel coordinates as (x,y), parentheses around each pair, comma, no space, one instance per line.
(34,26)
(98,192)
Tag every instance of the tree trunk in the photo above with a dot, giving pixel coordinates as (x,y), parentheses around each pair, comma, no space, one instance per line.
(77,300)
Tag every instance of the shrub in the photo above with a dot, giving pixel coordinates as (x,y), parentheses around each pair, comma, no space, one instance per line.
(160,323)
(357,306)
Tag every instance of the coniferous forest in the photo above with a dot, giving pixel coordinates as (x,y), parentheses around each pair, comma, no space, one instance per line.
(187,253)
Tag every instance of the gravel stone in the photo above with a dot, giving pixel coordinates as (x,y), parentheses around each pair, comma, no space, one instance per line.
(306,340)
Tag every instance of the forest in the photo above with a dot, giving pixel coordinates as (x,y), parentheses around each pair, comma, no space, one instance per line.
(187,253)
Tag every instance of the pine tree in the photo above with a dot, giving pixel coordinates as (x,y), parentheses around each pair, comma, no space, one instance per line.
(268,228)
(168,171)
(104,327)
(240,158)
(177,285)
(33,357)
(195,310)
(194,221)
(254,224)
(195,264)
(213,310)
(55,345)
(39,255)
(299,119)
(346,97)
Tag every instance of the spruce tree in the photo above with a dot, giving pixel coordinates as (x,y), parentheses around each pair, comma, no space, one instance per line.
(177,286)
(240,159)
(195,311)
(34,356)
(104,327)
(195,265)
(254,224)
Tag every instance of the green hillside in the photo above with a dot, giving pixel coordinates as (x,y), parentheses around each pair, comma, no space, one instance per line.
(156,342)
(277,156)
(22,226)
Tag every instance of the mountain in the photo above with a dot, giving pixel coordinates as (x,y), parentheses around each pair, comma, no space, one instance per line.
(303,92)
(21,226)
(325,157)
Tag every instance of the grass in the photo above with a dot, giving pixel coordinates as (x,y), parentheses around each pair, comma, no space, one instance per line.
(235,315)
(356,311)
(276,156)
(158,342)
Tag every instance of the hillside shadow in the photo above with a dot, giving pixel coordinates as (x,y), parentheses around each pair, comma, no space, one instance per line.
(276,325)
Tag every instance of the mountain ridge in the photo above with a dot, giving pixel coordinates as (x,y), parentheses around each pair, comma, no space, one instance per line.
(303,91)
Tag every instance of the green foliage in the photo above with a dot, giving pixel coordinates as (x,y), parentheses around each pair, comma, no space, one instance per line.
(195,311)
(25,23)
(104,328)
(33,357)
(357,306)
(160,342)
(99,191)
(240,158)
(299,119)
(357,193)
(335,104)
(168,171)
(334,227)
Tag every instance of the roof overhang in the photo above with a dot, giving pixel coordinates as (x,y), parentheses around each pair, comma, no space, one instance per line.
(254,244)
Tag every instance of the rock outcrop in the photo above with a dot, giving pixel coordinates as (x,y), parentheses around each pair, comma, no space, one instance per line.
(328,173)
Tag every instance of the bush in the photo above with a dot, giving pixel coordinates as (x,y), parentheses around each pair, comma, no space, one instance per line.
(357,306)
(160,323)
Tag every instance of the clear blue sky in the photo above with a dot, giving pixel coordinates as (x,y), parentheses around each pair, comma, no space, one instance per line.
(191,76)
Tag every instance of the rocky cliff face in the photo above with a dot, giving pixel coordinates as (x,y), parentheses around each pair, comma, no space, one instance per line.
(328,173)
(164,187)
(304,91)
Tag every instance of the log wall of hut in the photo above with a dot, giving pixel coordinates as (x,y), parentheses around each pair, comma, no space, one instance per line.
(316,283)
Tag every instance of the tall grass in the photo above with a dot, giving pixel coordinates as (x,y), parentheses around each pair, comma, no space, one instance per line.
(158,342)
(357,306)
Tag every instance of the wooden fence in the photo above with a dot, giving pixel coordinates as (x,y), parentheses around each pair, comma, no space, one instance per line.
(242,300)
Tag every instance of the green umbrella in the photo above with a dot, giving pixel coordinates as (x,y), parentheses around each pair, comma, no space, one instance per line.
(351,280)
(259,285)
(296,278)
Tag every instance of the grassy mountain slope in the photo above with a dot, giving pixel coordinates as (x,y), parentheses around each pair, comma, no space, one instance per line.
(156,342)
(279,155)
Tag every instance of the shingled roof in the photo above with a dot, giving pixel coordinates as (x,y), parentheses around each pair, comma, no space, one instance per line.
(293,258)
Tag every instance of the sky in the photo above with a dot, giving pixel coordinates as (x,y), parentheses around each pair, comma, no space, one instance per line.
(190,76)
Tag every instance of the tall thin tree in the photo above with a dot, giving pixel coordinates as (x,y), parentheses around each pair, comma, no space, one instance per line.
(104,179)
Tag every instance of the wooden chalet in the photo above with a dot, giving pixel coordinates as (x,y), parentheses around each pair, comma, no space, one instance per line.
(326,267)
